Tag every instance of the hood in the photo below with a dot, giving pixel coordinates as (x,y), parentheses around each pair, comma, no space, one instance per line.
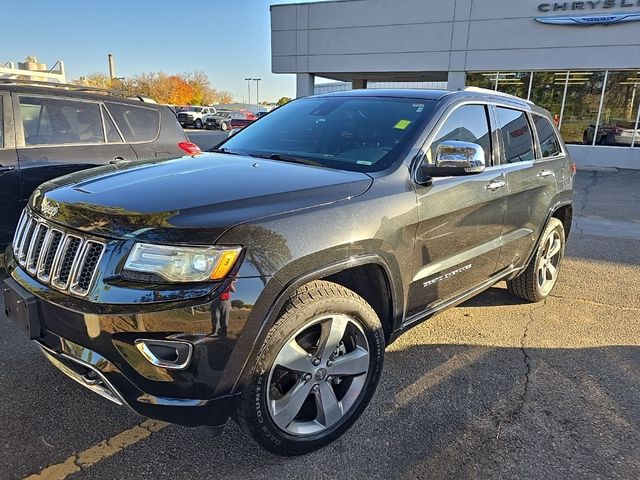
(206,194)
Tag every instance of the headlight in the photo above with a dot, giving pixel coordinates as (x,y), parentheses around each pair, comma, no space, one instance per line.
(182,264)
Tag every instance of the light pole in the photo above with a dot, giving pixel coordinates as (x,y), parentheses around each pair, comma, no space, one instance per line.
(249,90)
(257,96)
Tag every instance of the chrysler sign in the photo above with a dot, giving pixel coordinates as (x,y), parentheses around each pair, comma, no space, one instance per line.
(589,5)
(593,19)
(611,19)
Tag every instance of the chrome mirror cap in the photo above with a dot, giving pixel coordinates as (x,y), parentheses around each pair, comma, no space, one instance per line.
(460,155)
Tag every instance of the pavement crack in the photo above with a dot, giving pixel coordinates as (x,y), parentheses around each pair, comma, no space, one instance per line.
(527,364)
(587,192)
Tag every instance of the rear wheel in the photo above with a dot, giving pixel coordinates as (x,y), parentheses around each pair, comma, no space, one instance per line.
(316,373)
(537,281)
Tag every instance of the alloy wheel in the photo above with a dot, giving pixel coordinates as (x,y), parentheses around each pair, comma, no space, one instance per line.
(548,263)
(318,375)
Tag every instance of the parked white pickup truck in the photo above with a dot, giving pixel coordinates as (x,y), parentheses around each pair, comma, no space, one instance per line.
(193,116)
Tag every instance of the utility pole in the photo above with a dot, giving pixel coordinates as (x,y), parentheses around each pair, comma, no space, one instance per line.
(248,90)
(257,96)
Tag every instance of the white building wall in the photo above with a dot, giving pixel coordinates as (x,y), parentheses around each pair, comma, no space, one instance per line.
(440,40)
(385,36)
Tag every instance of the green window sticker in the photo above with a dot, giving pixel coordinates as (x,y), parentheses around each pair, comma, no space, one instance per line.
(402,124)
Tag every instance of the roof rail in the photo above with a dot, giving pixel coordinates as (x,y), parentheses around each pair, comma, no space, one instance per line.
(76,88)
(494,92)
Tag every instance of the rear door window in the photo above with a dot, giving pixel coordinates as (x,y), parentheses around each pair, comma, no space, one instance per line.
(549,143)
(110,128)
(55,121)
(137,124)
(515,132)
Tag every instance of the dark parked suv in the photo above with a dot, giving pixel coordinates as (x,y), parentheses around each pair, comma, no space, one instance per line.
(271,278)
(49,130)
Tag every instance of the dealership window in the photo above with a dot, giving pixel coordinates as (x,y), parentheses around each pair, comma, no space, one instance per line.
(482,80)
(547,90)
(620,108)
(578,101)
(584,91)
(514,83)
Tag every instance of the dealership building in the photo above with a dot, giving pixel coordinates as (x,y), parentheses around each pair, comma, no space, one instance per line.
(579,59)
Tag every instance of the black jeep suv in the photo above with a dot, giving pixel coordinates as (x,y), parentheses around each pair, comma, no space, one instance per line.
(268,277)
(51,129)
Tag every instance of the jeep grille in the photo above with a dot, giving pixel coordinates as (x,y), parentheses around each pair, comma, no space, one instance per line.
(66,261)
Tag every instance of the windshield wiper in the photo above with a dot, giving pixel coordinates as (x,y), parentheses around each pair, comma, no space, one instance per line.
(287,158)
(230,152)
(269,156)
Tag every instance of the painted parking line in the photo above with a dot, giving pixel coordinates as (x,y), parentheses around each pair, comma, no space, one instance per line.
(98,452)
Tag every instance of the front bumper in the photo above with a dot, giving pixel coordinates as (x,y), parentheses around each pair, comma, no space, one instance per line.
(95,345)
(94,372)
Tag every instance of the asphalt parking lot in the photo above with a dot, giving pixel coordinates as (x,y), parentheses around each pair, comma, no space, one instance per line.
(495,388)
(206,139)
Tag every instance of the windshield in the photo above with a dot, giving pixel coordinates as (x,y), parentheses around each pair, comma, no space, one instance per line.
(364,134)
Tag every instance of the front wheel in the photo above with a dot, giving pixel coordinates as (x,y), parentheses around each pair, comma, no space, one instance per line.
(198,124)
(537,281)
(316,372)
(224,127)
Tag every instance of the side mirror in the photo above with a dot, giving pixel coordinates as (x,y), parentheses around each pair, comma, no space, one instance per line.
(454,158)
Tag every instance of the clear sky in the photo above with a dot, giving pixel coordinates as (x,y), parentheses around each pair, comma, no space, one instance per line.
(227,39)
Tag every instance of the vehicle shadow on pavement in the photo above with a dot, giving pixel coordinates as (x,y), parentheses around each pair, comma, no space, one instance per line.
(497,295)
(444,411)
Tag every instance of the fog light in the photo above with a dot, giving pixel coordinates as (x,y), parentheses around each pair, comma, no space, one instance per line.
(169,354)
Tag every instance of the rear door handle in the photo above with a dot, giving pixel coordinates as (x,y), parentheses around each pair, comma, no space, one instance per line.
(494,185)
(545,173)
(7,169)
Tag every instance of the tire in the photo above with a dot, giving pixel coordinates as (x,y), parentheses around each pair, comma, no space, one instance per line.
(198,124)
(315,311)
(537,281)
(224,127)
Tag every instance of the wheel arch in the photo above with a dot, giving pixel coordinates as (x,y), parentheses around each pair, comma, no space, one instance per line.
(347,273)
(563,211)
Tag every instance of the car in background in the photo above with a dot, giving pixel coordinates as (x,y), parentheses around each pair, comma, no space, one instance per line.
(241,121)
(618,133)
(193,116)
(47,131)
(214,121)
(229,120)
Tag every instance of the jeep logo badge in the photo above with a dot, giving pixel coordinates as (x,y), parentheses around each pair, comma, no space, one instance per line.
(49,208)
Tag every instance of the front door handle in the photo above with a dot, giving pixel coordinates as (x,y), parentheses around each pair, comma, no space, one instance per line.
(10,168)
(545,173)
(116,160)
(494,185)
